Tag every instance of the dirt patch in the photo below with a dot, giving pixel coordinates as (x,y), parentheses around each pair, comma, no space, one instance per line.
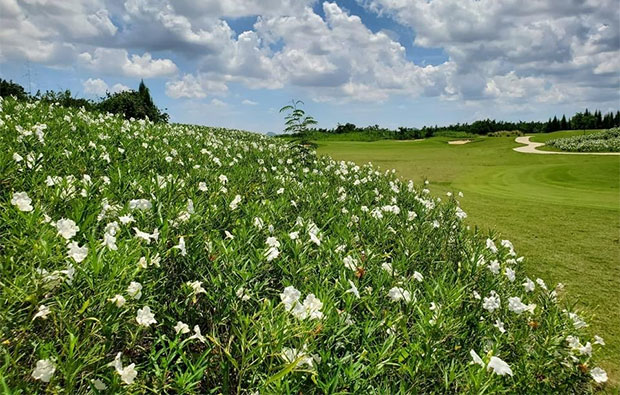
(459,142)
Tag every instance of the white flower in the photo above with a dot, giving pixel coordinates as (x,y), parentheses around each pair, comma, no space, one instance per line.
(181,328)
(397,294)
(44,370)
(125,219)
(272,253)
(198,335)
(476,358)
(181,246)
(22,201)
(202,186)
(289,297)
(529,285)
(599,375)
(196,287)
(515,305)
(118,300)
(314,238)
(109,241)
(293,235)
(353,290)
(135,290)
(146,236)
(499,325)
(510,274)
(476,295)
(258,223)
(99,385)
(235,202)
(350,263)
(387,267)
(541,283)
(491,246)
(573,342)
(499,367)
(272,242)
(494,266)
(128,373)
(223,179)
(140,204)
(460,214)
(242,294)
(418,276)
(578,323)
(599,340)
(17,157)
(309,309)
(67,228)
(290,355)
(145,317)
(586,350)
(42,312)
(76,252)
(492,302)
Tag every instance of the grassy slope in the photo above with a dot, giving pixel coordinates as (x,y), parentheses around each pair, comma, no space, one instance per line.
(562,212)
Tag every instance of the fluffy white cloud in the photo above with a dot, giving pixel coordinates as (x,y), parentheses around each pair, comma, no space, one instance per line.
(249,102)
(194,87)
(543,50)
(501,51)
(97,86)
(117,62)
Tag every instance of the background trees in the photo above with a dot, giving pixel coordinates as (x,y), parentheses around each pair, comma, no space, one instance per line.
(131,104)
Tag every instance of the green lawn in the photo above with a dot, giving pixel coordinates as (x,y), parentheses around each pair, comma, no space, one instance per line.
(561,211)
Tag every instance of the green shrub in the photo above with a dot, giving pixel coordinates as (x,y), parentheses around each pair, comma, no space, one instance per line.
(142,257)
(607,141)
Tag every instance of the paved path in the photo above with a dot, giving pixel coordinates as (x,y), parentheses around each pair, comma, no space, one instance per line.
(531,148)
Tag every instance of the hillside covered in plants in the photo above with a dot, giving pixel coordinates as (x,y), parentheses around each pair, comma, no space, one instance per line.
(140,257)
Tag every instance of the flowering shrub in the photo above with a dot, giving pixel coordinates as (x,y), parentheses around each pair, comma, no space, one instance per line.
(607,141)
(295,273)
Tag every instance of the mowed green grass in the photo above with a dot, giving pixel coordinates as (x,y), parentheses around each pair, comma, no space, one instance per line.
(561,211)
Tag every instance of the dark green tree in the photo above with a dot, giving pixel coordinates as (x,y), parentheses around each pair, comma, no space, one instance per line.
(10,88)
(133,104)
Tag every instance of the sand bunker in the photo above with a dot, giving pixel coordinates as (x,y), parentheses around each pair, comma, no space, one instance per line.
(459,142)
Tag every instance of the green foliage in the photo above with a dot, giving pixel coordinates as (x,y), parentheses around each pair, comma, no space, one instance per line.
(133,104)
(10,88)
(296,120)
(65,99)
(246,217)
(607,141)
(506,133)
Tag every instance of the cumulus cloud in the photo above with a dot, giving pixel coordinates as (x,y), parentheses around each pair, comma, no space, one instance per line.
(500,51)
(249,102)
(118,62)
(505,49)
(97,86)
(194,87)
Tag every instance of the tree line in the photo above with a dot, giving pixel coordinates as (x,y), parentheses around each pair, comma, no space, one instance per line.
(579,121)
(131,104)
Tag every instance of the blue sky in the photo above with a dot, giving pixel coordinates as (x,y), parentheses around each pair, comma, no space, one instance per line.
(387,62)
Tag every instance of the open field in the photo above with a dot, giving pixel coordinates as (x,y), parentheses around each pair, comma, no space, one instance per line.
(561,211)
